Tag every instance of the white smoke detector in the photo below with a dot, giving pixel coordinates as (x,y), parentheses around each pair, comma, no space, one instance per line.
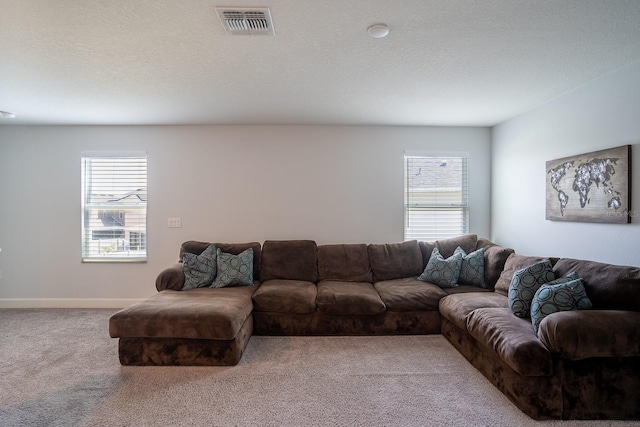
(248,21)
(378,31)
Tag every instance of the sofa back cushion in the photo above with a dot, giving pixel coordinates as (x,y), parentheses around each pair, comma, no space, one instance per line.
(344,262)
(516,262)
(495,256)
(608,286)
(467,242)
(395,260)
(289,260)
(196,247)
(193,247)
(427,249)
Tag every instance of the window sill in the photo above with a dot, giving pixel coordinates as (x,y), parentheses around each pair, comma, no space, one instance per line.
(114,260)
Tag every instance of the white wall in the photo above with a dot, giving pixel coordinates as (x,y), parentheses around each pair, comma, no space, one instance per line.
(603,114)
(333,184)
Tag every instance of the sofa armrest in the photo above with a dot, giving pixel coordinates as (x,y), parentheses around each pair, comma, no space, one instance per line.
(171,278)
(581,334)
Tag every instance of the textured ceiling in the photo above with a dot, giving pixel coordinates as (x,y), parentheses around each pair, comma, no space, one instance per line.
(445,62)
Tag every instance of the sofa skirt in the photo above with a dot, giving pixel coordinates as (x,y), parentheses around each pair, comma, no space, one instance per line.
(539,397)
(600,388)
(141,351)
(317,323)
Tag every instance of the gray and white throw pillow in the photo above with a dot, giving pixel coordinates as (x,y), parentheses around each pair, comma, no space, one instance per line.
(553,297)
(524,284)
(199,270)
(442,272)
(472,269)
(234,270)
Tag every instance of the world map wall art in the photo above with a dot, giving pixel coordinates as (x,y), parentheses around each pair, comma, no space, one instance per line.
(591,187)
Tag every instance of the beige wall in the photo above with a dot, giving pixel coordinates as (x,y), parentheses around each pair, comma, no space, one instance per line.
(333,184)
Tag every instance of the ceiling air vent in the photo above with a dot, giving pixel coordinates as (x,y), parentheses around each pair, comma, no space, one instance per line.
(246,21)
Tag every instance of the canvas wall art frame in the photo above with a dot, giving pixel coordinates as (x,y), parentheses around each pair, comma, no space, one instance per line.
(590,187)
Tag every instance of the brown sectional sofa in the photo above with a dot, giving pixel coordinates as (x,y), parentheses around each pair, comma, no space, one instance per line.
(582,364)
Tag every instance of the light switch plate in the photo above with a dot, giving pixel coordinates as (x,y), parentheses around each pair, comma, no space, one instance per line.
(175,223)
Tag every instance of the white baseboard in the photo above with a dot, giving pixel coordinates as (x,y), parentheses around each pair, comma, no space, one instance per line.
(66,302)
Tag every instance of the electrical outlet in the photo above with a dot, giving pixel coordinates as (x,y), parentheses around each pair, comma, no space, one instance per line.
(175,223)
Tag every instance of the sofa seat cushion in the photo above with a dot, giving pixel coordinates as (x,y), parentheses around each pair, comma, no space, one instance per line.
(286,296)
(409,294)
(577,335)
(348,298)
(203,313)
(344,262)
(456,307)
(512,339)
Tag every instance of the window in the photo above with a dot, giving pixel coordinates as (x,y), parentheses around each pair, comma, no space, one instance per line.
(114,206)
(436,203)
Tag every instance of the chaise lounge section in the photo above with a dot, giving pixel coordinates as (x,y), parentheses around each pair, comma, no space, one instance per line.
(580,364)
(198,327)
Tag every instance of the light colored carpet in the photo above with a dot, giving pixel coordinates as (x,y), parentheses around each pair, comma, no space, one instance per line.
(60,368)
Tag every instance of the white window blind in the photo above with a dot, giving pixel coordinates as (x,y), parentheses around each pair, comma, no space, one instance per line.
(436,197)
(114,207)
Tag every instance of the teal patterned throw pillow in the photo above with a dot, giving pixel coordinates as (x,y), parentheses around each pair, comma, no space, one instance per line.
(234,269)
(563,296)
(442,272)
(199,270)
(472,270)
(524,284)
